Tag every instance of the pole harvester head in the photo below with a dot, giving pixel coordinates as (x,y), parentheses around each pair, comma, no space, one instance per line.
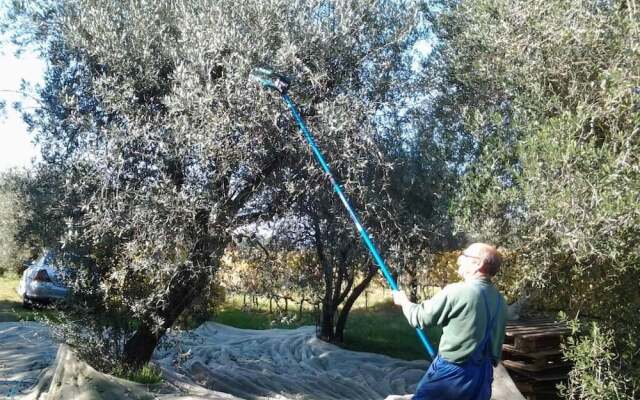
(269,79)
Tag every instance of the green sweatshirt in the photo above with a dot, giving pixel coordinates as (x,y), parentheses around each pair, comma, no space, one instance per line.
(459,309)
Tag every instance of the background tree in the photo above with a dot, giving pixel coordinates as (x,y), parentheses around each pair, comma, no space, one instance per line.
(277,267)
(421,187)
(13,253)
(36,214)
(546,96)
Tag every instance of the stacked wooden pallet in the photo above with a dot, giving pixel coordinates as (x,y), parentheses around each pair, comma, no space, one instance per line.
(532,355)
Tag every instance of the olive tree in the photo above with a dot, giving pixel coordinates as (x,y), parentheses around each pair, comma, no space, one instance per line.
(547,94)
(151,118)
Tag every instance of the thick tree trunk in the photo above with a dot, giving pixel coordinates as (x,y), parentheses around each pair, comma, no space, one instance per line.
(328,305)
(413,285)
(326,322)
(185,286)
(344,313)
(187,283)
(139,348)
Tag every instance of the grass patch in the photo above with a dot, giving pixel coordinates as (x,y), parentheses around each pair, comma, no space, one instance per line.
(242,319)
(11,309)
(10,303)
(260,319)
(148,375)
(383,329)
(8,288)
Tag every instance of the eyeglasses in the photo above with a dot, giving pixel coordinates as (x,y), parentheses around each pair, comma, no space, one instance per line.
(467,255)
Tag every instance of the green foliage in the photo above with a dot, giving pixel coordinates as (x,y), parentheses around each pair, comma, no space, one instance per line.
(36,210)
(9,204)
(162,147)
(17,192)
(547,93)
(98,339)
(596,373)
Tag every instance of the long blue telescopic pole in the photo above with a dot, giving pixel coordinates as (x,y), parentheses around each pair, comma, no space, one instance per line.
(345,201)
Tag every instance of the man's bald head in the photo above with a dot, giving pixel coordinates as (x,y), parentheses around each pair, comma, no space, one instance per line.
(488,258)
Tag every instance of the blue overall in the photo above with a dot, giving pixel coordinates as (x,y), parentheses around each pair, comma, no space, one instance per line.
(470,380)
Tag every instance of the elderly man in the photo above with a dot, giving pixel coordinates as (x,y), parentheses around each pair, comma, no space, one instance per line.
(473,316)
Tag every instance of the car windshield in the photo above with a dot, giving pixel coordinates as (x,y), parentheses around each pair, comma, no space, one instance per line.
(53,258)
(49,258)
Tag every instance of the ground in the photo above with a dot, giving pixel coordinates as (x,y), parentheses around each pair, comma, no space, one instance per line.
(10,303)
(216,361)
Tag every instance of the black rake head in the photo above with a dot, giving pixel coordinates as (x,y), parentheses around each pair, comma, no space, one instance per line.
(269,79)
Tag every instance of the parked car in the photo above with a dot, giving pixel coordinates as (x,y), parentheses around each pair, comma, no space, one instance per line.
(42,281)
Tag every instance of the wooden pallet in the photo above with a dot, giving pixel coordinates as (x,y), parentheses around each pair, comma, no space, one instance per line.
(536,335)
(532,355)
(536,390)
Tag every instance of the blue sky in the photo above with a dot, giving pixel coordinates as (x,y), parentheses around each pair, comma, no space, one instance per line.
(16,148)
